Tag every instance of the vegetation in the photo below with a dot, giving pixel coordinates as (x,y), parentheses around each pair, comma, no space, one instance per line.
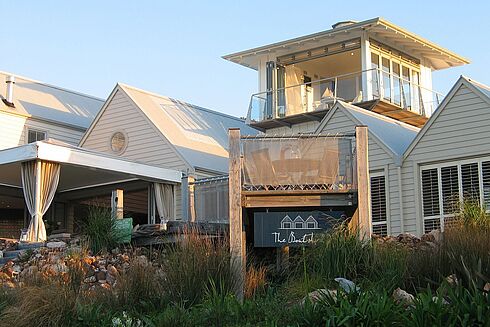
(99,229)
(191,284)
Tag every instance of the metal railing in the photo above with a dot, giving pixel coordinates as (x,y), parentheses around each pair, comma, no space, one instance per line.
(354,88)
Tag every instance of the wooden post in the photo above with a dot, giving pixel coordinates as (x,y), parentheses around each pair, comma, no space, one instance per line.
(192,198)
(117,204)
(237,238)
(363,185)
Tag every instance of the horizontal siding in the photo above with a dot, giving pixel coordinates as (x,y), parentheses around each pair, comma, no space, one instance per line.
(11,130)
(460,131)
(379,159)
(307,127)
(145,144)
(62,133)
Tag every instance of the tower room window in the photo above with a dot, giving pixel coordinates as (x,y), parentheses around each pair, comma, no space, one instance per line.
(35,135)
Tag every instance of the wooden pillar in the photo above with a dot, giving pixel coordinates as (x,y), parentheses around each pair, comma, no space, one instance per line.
(363,184)
(117,204)
(192,199)
(237,238)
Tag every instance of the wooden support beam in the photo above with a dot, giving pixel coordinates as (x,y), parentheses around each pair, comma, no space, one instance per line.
(363,185)
(117,204)
(237,235)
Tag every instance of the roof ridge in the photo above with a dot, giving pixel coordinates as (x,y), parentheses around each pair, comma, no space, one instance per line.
(52,86)
(187,103)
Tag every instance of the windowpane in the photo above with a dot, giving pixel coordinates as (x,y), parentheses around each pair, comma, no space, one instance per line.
(450,189)
(485,167)
(470,181)
(385,67)
(430,193)
(33,136)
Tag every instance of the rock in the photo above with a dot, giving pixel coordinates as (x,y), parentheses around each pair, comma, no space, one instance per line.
(438,235)
(437,299)
(402,297)
(486,288)
(319,295)
(452,280)
(90,280)
(100,275)
(428,238)
(347,285)
(56,245)
(111,270)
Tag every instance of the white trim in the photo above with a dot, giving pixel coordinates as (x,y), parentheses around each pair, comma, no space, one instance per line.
(83,158)
(458,164)
(380,173)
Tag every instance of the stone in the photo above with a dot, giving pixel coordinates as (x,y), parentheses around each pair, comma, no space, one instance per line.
(428,238)
(403,297)
(56,245)
(436,299)
(486,288)
(319,295)
(452,280)
(111,270)
(438,235)
(90,280)
(100,275)
(347,285)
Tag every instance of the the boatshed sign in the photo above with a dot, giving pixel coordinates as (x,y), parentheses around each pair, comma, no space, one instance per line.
(277,229)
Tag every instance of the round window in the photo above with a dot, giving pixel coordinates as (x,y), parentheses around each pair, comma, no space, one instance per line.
(118,142)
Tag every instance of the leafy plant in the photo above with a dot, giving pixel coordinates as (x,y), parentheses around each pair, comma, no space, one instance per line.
(99,229)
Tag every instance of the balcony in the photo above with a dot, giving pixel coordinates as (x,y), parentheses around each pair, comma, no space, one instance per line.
(374,89)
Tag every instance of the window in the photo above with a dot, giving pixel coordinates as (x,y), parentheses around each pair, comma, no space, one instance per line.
(118,142)
(378,205)
(445,186)
(470,181)
(35,135)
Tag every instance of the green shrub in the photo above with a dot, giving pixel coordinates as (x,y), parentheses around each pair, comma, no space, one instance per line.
(99,229)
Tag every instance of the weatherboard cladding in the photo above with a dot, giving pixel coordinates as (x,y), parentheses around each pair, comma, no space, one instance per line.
(459,131)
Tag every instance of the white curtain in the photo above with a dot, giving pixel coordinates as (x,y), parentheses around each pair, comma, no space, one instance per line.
(164,200)
(39,182)
(293,90)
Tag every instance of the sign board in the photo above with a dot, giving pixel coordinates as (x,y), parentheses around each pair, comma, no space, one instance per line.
(123,229)
(277,229)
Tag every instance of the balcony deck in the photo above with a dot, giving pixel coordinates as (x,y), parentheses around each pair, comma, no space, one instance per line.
(379,106)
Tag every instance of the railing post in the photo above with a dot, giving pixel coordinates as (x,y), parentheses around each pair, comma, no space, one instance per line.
(335,88)
(237,232)
(363,183)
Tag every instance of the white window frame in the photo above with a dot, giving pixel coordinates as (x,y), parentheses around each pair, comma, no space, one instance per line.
(29,129)
(458,164)
(385,222)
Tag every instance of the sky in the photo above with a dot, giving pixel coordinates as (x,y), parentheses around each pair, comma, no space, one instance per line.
(175,48)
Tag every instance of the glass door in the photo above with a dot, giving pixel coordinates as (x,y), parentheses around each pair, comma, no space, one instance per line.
(396,83)
(386,78)
(375,75)
(406,92)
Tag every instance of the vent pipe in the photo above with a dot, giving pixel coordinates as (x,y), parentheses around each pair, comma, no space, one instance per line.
(9,98)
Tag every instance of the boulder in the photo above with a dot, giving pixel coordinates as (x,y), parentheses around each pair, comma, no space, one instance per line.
(56,245)
(319,295)
(347,285)
(403,297)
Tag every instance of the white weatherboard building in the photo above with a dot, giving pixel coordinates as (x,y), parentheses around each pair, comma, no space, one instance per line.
(143,144)
(424,151)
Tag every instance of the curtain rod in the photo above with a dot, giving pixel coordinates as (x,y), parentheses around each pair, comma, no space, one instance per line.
(299,136)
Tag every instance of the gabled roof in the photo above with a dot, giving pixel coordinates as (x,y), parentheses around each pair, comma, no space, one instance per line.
(198,135)
(393,135)
(439,57)
(482,90)
(43,101)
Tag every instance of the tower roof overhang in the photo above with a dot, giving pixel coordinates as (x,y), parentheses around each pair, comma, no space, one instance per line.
(377,28)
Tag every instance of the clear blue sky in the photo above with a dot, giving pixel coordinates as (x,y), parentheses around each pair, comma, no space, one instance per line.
(175,48)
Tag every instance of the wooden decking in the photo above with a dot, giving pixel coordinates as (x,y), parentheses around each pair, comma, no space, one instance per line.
(391,110)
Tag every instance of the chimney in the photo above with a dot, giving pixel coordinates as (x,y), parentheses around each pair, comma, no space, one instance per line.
(9,98)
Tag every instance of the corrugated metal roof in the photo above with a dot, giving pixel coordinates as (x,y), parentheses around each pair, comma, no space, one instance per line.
(394,134)
(47,102)
(485,89)
(200,135)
